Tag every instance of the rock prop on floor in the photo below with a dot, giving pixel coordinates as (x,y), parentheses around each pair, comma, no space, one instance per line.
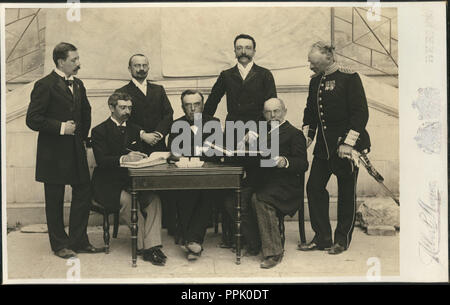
(381,230)
(379,215)
(36,228)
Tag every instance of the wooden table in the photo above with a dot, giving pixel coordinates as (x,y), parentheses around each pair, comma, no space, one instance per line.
(170,177)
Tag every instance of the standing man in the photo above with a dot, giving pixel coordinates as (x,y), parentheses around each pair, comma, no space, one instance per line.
(337,107)
(59,110)
(154,114)
(246,85)
(151,107)
(114,142)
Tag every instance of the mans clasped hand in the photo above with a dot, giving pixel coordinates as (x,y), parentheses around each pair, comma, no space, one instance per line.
(151,138)
(70,127)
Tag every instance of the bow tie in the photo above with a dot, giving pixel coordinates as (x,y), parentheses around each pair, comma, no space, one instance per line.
(69,82)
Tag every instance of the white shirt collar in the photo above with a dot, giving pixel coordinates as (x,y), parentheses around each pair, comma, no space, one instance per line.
(244,71)
(124,124)
(62,74)
(142,87)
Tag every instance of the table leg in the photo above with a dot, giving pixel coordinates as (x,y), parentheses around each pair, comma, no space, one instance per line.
(134,228)
(238,226)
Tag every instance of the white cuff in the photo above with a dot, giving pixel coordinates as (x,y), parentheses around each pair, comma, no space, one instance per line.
(253,134)
(121,160)
(141,133)
(63,128)
(351,138)
(287,162)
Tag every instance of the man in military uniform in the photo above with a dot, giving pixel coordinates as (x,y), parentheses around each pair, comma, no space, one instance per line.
(337,108)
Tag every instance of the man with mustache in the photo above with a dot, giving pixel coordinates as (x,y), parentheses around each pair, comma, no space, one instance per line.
(154,114)
(247,86)
(193,206)
(277,189)
(115,141)
(337,109)
(151,107)
(60,111)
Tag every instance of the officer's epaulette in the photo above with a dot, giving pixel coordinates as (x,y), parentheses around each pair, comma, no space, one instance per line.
(346,70)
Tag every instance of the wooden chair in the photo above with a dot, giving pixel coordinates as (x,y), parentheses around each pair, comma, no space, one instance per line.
(96,207)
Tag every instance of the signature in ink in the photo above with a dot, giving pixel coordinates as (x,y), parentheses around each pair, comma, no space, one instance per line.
(429,230)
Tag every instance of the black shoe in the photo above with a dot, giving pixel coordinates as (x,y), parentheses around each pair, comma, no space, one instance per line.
(90,249)
(150,255)
(336,249)
(271,261)
(160,253)
(65,253)
(311,246)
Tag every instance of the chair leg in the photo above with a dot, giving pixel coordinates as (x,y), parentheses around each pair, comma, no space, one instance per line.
(216,219)
(282,229)
(116,224)
(106,231)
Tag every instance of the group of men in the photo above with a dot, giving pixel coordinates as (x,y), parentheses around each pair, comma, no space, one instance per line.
(141,119)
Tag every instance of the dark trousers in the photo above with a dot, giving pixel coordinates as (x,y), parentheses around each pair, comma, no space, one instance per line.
(249,223)
(79,216)
(270,227)
(319,199)
(194,209)
(169,211)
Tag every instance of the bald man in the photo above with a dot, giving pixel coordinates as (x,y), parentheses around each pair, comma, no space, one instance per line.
(276,190)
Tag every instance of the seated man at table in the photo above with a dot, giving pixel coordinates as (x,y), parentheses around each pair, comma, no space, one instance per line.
(194,208)
(114,141)
(277,189)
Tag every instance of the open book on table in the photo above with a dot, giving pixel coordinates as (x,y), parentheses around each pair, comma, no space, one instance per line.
(155,158)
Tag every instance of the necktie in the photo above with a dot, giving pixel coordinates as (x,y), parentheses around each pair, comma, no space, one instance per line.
(69,82)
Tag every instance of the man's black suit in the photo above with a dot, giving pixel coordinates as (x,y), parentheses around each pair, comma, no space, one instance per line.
(282,187)
(278,191)
(109,143)
(61,159)
(152,112)
(193,206)
(245,98)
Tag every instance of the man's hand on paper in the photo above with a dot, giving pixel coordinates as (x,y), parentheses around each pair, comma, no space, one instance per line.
(280,162)
(133,156)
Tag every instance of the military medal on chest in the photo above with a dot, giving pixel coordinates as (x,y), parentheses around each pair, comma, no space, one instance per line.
(329,85)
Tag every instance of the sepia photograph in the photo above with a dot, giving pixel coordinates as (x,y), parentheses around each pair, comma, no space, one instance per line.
(224,142)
